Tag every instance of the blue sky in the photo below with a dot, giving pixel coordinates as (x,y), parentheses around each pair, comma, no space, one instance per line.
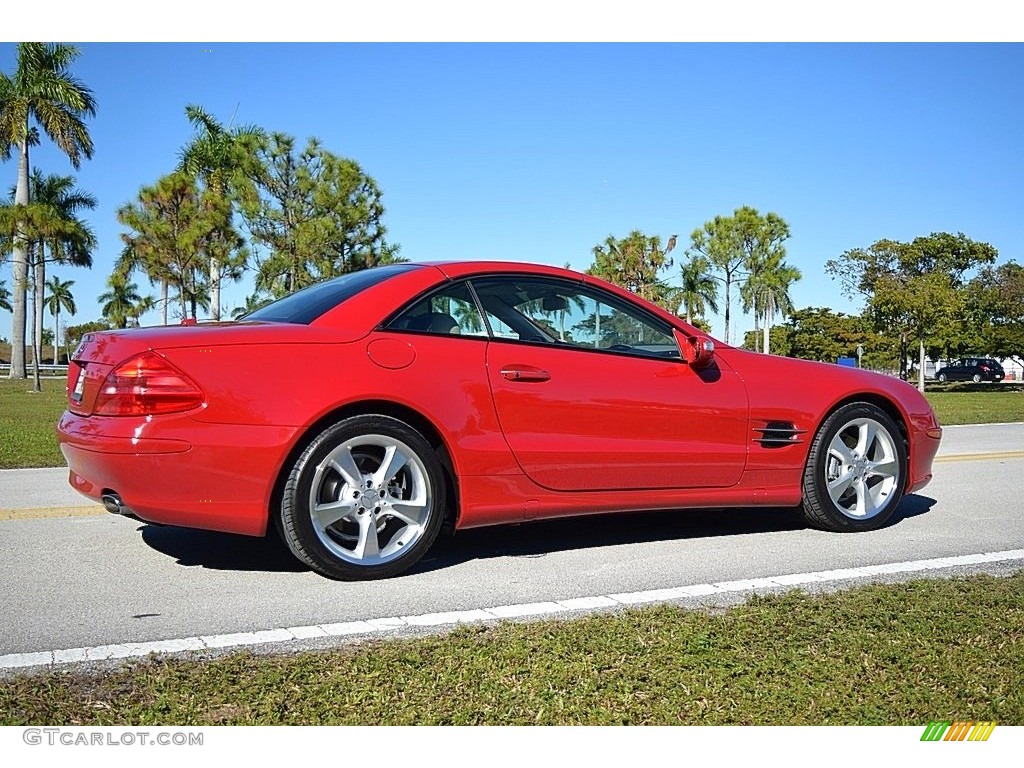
(538,152)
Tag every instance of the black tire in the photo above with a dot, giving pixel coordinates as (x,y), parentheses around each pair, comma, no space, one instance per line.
(868,477)
(371,527)
(976,378)
(942,378)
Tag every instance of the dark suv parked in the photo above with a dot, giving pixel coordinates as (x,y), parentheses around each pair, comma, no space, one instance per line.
(971,369)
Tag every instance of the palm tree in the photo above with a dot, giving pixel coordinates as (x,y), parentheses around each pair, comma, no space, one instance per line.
(220,156)
(60,296)
(5,296)
(132,258)
(143,305)
(41,90)
(634,263)
(123,302)
(467,316)
(192,295)
(767,292)
(252,302)
(26,223)
(734,245)
(47,224)
(69,239)
(699,291)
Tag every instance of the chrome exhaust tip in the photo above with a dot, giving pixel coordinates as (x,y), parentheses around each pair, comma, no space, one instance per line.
(113,504)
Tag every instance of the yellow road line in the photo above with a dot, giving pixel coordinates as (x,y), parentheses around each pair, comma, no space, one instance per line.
(38,512)
(96,509)
(980,456)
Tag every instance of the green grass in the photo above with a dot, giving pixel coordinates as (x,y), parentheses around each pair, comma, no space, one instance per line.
(977,403)
(27,423)
(901,654)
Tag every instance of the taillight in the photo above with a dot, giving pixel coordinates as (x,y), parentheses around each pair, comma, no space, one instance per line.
(146,384)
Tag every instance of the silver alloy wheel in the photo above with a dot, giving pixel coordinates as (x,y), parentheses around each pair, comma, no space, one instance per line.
(862,469)
(370,500)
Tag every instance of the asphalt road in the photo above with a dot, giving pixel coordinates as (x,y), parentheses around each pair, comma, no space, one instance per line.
(73,577)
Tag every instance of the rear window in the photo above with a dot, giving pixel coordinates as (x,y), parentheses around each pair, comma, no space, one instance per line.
(305,306)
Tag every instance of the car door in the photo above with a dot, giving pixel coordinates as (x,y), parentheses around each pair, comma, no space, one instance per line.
(591,394)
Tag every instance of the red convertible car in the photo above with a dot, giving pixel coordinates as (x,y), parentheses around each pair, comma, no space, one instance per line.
(361,415)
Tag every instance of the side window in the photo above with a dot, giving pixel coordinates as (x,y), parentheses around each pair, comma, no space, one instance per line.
(566,312)
(448,311)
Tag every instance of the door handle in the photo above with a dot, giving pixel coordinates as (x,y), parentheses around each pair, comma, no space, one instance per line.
(524,373)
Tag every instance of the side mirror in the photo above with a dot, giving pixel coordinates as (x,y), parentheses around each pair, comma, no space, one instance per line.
(697,351)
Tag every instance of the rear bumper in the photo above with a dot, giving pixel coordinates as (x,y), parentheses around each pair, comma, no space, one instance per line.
(178,471)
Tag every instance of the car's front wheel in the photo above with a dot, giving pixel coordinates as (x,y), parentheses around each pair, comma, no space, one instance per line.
(365,500)
(856,470)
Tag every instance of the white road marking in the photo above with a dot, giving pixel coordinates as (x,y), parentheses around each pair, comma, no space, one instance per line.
(385,625)
(993,424)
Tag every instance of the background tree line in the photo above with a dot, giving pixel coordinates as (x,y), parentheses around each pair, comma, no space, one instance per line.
(243,200)
(41,223)
(309,215)
(743,255)
(238,200)
(939,296)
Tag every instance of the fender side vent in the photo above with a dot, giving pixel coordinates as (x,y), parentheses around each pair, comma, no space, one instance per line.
(776,434)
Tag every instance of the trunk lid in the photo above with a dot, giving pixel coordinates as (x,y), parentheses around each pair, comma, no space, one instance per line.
(100,352)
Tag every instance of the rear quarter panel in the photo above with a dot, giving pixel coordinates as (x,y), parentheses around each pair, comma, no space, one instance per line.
(301,383)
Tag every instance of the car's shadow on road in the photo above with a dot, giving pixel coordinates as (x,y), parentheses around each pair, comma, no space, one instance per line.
(222,551)
(537,539)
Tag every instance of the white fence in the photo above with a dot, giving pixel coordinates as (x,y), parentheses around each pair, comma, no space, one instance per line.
(49,371)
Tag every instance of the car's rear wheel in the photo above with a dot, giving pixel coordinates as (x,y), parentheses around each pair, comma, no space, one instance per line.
(942,378)
(976,378)
(856,470)
(365,500)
